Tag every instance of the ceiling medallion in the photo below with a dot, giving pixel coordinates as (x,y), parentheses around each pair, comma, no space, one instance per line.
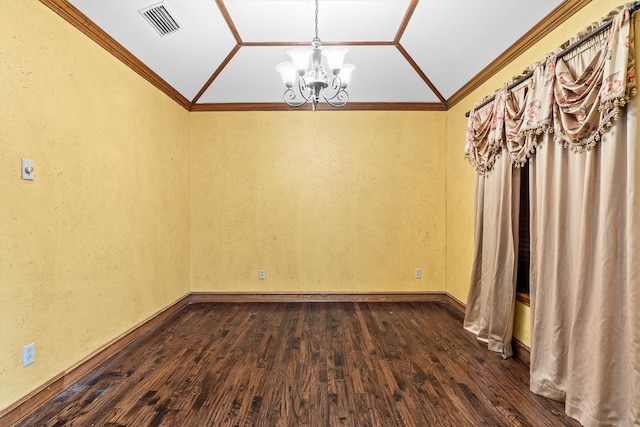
(306,78)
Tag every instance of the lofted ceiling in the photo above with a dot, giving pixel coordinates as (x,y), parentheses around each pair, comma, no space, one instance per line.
(409,54)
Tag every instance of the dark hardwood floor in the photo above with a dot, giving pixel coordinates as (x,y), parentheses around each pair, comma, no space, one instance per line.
(306,364)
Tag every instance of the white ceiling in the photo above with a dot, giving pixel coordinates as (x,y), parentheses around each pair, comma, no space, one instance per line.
(405,51)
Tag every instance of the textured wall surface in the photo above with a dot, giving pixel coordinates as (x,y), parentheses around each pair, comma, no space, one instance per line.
(460,174)
(325,201)
(99,241)
(136,201)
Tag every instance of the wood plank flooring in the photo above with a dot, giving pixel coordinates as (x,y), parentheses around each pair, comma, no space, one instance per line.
(306,364)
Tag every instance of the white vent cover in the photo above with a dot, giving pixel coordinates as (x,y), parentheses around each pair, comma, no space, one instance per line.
(160,19)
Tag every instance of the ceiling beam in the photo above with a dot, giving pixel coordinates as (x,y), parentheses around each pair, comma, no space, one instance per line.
(405,21)
(229,21)
(215,74)
(421,73)
(351,106)
(330,43)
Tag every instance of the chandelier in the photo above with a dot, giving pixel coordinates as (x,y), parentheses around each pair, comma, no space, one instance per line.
(306,79)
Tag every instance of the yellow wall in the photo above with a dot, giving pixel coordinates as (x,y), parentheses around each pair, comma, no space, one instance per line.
(99,241)
(325,201)
(136,201)
(461,176)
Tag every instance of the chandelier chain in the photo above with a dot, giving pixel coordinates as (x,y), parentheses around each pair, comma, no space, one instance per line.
(317,19)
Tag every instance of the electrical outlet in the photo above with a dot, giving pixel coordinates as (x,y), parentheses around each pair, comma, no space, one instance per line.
(28,354)
(418,273)
(262,275)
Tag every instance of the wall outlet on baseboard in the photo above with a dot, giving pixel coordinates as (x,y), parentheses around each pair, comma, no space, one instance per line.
(28,354)
(418,273)
(262,274)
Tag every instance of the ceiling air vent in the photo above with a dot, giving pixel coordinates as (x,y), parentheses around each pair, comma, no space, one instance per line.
(160,18)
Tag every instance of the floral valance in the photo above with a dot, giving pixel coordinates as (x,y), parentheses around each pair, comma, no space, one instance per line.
(576,97)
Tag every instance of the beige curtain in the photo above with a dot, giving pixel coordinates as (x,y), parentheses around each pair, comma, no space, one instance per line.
(585,266)
(585,276)
(491,300)
(572,122)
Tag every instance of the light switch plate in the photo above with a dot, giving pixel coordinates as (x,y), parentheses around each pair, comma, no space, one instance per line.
(27,165)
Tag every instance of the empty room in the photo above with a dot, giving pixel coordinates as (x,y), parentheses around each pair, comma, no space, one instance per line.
(319,213)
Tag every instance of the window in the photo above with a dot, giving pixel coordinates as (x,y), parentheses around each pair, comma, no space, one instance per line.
(524,253)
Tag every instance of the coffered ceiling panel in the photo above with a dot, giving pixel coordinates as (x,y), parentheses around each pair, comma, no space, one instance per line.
(338,20)
(384,75)
(184,59)
(222,54)
(249,77)
(255,68)
(459,44)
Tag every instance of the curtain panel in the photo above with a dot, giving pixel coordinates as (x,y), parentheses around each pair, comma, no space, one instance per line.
(491,300)
(573,122)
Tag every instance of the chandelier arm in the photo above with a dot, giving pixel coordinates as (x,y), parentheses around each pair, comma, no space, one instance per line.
(340,99)
(304,90)
(334,94)
(292,97)
(334,86)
